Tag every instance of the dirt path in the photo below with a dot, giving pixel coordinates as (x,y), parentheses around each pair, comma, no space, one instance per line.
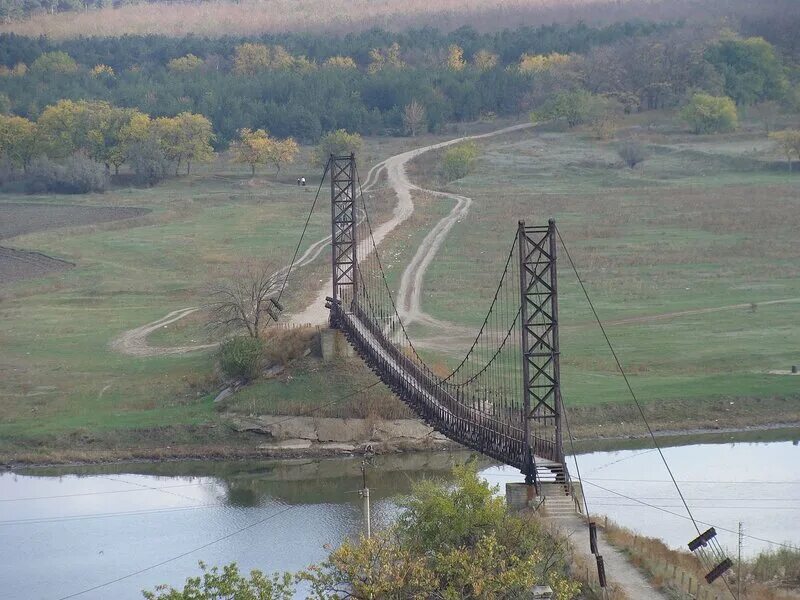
(134,341)
(410,293)
(619,571)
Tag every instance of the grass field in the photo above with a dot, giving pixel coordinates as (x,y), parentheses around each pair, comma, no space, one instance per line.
(705,223)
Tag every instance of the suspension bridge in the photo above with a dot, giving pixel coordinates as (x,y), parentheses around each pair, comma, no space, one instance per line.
(503,399)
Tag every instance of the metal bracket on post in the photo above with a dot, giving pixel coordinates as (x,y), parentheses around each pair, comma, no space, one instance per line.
(540,348)
(343,223)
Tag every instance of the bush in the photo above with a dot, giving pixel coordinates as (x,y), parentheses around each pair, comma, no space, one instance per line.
(148,162)
(241,357)
(78,175)
(632,152)
(575,108)
(338,143)
(710,114)
(458,160)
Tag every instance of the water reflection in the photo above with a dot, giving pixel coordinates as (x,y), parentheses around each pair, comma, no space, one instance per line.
(67,529)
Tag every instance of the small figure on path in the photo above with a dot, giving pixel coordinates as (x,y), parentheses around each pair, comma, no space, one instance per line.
(303,181)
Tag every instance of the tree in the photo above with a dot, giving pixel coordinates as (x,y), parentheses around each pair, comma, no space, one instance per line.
(632,152)
(283,152)
(338,143)
(751,69)
(185,64)
(451,542)
(538,63)
(455,58)
(414,117)
(18,140)
(186,137)
(574,107)
(382,59)
(252,148)
(106,136)
(230,583)
(789,143)
(485,60)
(243,301)
(458,160)
(340,62)
(250,59)
(64,126)
(102,72)
(51,63)
(710,114)
(258,148)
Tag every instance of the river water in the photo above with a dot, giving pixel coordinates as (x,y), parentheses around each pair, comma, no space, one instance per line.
(66,530)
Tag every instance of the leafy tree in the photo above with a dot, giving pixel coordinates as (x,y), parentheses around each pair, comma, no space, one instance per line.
(575,107)
(710,114)
(230,583)
(485,60)
(64,126)
(252,148)
(340,62)
(185,64)
(751,69)
(382,59)
(414,117)
(106,136)
(250,59)
(102,71)
(283,152)
(18,140)
(451,542)
(51,63)
(338,143)
(539,63)
(258,148)
(459,160)
(186,137)
(455,58)
(789,143)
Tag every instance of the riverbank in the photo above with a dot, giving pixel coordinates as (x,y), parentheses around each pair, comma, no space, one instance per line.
(288,437)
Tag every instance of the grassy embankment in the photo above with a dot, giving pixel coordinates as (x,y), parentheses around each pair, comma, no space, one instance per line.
(707,222)
(773,575)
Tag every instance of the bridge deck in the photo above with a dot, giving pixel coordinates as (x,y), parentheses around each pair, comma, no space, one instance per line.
(436,403)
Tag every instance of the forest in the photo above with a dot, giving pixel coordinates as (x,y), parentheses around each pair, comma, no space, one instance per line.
(302,86)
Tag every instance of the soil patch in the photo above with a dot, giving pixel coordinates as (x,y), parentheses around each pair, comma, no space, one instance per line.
(23,218)
(29,217)
(21,264)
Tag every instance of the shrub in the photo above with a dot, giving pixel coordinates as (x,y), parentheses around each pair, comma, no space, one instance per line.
(458,160)
(78,175)
(240,357)
(576,107)
(148,162)
(632,152)
(338,143)
(710,114)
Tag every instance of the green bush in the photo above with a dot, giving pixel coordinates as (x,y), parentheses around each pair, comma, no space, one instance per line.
(575,108)
(458,160)
(241,357)
(710,114)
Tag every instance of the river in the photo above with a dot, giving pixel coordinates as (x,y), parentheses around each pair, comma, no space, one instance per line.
(65,530)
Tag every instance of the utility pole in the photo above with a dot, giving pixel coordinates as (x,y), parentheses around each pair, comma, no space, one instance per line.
(364,493)
(739,568)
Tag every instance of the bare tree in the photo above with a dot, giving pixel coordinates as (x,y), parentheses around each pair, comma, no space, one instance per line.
(414,117)
(245,301)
